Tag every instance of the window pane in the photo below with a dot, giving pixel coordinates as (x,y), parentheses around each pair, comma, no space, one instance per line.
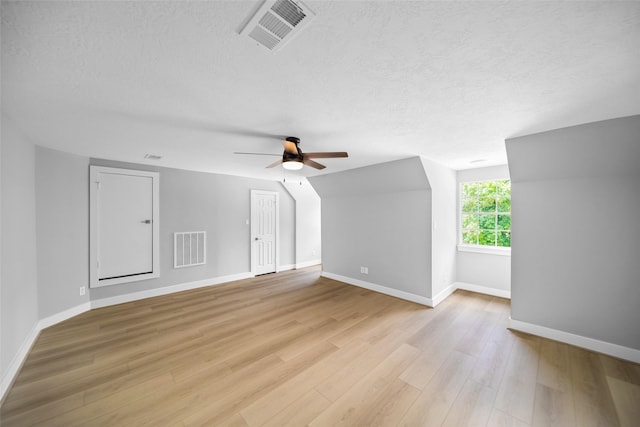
(487,238)
(487,189)
(470,189)
(504,239)
(504,222)
(504,204)
(470,205)
(470,237)
(485,213)
(504,188)
(488,204)
(470,222)
(487,222)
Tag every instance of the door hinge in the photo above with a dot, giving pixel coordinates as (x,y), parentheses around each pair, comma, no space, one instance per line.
(98,184)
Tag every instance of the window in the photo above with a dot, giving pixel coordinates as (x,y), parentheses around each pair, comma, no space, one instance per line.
(485,213)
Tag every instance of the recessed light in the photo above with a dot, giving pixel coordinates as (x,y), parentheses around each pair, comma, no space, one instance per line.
(152,157)
(478,161)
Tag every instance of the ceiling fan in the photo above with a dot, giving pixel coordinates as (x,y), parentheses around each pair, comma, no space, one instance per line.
(294,159)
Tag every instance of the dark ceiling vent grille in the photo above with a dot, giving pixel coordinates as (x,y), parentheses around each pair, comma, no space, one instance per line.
(274,25)
(264,37)
(276,22)
(289,11)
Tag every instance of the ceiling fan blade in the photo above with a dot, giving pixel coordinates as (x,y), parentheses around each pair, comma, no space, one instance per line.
(313,164)
(290,147)
(259,154)
(274,164)
(326,155)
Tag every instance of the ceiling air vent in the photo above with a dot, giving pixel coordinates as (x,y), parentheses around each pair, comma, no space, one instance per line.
(276,22)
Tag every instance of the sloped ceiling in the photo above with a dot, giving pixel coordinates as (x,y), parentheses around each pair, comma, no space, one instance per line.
(600,149)
(382,80)
(389,177)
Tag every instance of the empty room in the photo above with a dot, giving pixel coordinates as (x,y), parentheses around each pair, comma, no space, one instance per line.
(292,213)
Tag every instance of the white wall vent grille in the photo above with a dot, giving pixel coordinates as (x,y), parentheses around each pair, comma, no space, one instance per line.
(190,248)
(276,22)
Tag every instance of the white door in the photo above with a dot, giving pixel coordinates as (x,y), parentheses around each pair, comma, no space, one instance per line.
(125,225)
(264,231)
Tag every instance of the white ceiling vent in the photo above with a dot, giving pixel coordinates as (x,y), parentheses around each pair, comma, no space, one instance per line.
(276,22)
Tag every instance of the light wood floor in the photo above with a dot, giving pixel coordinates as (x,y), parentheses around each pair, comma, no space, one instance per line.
(295,349)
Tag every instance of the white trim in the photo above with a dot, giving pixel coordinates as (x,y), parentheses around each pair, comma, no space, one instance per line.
(306,264)
(94,256)
(191,234)
(489,250)
(120,299)
(25,348)
(285,267)
(483,290)
(276,239)
(18,360)
(20,357)
(381,289)
(63,315)
(611,349)
(443,294)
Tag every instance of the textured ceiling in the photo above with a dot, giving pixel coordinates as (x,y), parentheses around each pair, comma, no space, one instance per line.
(381,80)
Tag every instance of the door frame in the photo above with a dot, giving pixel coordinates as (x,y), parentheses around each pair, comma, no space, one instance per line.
(94,254)
(276,238)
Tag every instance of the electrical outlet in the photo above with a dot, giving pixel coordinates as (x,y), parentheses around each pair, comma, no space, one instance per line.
(364,270)
(83,290)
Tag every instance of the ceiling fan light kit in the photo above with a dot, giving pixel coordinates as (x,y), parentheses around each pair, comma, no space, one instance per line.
(292,165)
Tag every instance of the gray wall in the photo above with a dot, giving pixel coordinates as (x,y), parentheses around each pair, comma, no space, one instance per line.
(62,224)
(576,234)
(378,217)
(218,204)
(45,232)
(308,234)
(443,225)
(18,283)
(487,270)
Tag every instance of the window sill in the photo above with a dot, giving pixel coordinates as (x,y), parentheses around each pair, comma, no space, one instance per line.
(490,250)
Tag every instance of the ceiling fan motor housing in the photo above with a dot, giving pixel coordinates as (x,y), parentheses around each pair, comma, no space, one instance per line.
(288,156)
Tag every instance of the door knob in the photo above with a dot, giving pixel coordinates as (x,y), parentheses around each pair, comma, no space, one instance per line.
(257,238)
(146,221)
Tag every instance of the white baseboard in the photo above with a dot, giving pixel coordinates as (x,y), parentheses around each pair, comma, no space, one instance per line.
(443,294)
(614,350)
(17,361)
(285,267)
(63,315)
(378,288)
(306,264)
(120,299)
(483,290)
(23,352)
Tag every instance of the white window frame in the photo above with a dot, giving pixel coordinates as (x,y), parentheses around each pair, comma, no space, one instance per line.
(483,249)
